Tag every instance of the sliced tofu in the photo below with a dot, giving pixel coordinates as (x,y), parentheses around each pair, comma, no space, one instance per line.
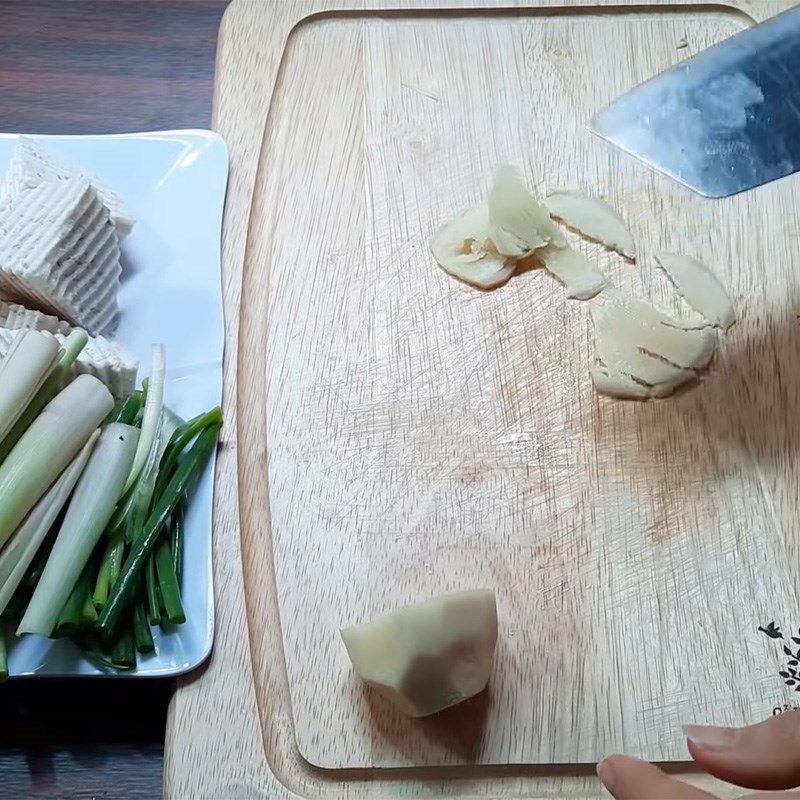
(107,361)
(31,165)
(428,656)
(59,253)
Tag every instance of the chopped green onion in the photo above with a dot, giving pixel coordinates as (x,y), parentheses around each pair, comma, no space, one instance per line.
(123,652)
(177,444)
(75,615)
(168,583)
(186,474)
(139,496)
(45,449)
(153,592)
(176,540)
(95,654)
(110,568)
(142,636)
(18,554)
(92,504)
(128,409)
(3,659)
(152,413)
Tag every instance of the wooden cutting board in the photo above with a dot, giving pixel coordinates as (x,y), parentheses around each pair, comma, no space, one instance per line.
(421,437)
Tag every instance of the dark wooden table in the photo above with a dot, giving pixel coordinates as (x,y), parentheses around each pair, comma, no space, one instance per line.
(97,66)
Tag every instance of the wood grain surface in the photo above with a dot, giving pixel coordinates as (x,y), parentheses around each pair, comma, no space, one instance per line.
(107,66)
(424,437)
(255,754)
(97,66)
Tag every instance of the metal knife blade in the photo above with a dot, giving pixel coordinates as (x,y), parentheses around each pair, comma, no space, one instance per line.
(724,121)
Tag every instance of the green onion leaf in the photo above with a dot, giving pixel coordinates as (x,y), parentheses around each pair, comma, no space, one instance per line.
(185,477)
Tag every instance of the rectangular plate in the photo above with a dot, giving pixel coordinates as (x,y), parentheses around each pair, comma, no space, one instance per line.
(174,184)
(425,437)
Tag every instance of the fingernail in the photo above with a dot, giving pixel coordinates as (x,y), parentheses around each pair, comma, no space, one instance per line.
(710,737)
(605,771)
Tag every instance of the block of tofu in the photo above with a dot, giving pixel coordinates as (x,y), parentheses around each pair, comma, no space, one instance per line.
(109,362)
(32,165)
(59,253)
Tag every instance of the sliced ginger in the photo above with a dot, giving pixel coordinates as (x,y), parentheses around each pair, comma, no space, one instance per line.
(462,248)
(594,219)
(700,288)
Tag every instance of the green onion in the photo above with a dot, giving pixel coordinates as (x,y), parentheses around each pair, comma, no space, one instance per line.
(19,600)
(141,630)
(153,592)
(76,615)
(176,540)
(45,449)
(25,368)
(73,345)
(168,583)
(152,413)
(110,568)
(177,443)
(3,659)
(17,555)
(141,493)
(94,652)
(92,504)
(128,409)
(123,652)
(88,611)
(185,477)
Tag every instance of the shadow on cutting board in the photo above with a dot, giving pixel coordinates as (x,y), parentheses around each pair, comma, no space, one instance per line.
(457,730)
(743,414)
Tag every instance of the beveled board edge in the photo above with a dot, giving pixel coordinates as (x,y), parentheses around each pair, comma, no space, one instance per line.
(216,745)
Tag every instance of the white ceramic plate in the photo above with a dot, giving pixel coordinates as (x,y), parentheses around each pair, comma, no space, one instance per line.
(174,184)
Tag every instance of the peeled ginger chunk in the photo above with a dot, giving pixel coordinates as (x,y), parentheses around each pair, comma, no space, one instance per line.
(428,656)
(638,346)
(700,288)
(519,224)
(592,218)
(462,249)
(582,280)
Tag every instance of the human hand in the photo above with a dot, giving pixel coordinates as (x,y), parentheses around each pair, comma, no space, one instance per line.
(765,756)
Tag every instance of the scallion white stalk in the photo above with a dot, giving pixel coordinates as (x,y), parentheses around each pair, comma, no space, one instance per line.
(73,345)
(17,555)
(32,357)
(89,511)
(168,424)
(142,495)
(152,413)
(54,438)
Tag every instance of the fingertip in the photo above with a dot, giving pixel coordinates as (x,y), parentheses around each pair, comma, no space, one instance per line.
(629,778)
(616,772)
(761,756)
(605,771)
